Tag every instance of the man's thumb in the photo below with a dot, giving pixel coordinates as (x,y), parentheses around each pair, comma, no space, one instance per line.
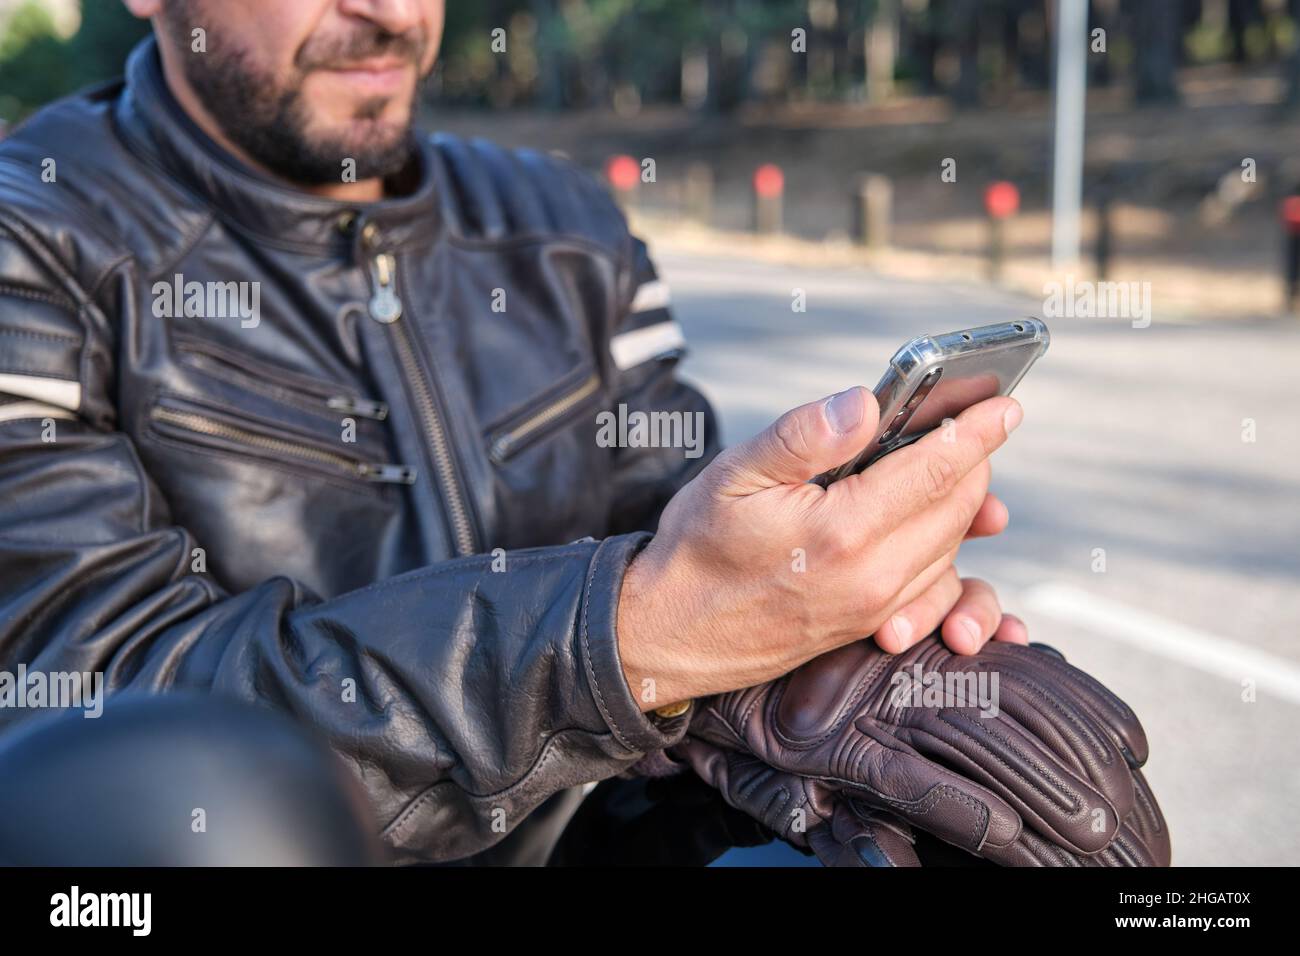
(806,441)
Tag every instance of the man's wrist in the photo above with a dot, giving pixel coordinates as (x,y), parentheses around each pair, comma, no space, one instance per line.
(598,642)
(646,639)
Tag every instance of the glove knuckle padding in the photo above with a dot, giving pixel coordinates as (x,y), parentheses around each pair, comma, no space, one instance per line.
(815,701)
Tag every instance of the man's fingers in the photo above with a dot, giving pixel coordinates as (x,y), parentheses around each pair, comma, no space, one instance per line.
(803,442)
(1012,630)
(920,617)
(923,538)
(913,590)
(991,518)
(973,619)
(924,473)
(966,610)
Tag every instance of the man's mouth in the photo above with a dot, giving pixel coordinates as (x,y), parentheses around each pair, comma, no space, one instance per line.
(373,77)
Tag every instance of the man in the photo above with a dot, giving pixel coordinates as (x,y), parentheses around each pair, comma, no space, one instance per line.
(299,407)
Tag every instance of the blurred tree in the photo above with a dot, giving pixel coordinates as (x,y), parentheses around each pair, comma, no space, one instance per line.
(37,65)
(1157,36)
(550,56)
(98,50)
(721,54)
(32,62)
(921,40)
(880,48)
(1293,60)
(1103,15)
(966,25)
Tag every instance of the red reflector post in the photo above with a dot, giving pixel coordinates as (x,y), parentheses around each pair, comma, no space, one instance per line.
(623,173)
(1001,199)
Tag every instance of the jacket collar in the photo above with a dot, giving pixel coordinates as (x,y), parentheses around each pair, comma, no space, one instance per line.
(276,213)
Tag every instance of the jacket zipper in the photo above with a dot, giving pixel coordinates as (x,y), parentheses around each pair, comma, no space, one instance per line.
(203,425)
(350,404)
(386,307)
(504,443)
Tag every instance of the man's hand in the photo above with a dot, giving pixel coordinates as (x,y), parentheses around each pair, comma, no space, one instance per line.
(965,611)
(754,570)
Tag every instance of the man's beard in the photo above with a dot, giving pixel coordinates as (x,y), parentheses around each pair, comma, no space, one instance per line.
(270,121)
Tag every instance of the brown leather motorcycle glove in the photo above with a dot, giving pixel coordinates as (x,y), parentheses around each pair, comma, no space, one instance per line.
(844,831)
(800,810)
(1035,758)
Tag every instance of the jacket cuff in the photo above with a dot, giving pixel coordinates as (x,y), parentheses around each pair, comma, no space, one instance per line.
(638,732)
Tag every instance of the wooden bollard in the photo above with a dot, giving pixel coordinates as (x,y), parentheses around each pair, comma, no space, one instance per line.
(699,193)
(1105,234)
(873,203)
(769,193)
(1291,245)
(1001,200)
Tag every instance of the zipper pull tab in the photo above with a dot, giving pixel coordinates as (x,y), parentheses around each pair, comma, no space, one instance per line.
(385,306)
(365,407)
(393,474)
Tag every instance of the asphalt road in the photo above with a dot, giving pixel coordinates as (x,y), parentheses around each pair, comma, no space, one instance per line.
(1133,444)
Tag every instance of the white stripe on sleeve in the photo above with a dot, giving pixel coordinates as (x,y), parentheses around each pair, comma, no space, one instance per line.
(639,345)
(651,295)
(55,391)
(15,411)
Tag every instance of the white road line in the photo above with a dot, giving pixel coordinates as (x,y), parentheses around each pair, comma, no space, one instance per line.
(1176,642)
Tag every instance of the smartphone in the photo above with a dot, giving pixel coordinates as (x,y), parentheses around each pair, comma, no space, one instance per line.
(935,377)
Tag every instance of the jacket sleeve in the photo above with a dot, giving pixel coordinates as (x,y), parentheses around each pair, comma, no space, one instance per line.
(459,696)
(646,347)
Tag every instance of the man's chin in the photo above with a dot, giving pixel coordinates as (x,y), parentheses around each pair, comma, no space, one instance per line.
(377,146)
(339,96)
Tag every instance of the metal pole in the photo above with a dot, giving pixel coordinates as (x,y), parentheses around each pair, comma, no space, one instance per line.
(1067,165)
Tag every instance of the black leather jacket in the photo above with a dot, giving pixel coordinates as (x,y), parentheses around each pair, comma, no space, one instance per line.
(353,502)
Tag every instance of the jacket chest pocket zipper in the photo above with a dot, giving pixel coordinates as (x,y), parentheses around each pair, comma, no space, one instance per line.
(266,379)
(506,441)
(199,424)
